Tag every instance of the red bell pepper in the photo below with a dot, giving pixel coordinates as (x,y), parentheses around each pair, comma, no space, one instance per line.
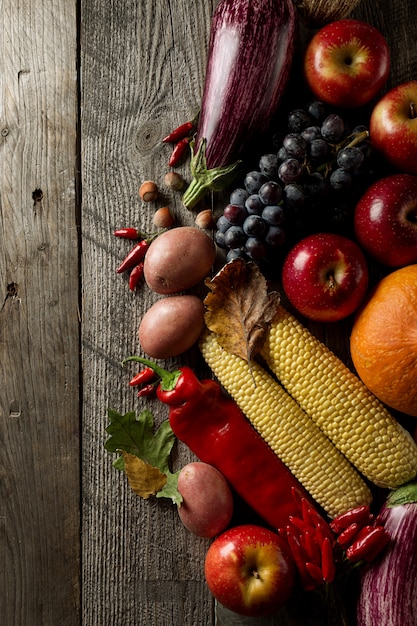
(215,429)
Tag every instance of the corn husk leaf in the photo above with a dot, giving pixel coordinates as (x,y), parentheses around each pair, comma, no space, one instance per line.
(239,308)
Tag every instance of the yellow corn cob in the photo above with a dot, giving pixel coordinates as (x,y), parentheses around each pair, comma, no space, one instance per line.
(340,404)
(323,471)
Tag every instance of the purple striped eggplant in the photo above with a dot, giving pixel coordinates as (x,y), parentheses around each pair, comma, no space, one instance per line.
(250,55)
(388,591)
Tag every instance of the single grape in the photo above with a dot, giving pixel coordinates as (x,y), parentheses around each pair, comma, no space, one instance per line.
(253,181)
(290,171)
(270,192)
(273,215)
(294,196)
(235,253)
(219,238)
(238,196)
(316,186)
(332,128)
(282,154)
(297,120)
(234,237)
(318,149)
(222,224)
(350,158)
(254,226)
(317,110)
(255,248)
(310,133)
(235,213)
(295,146)
(341,179)
(275,236)
(254,205)
(268,165)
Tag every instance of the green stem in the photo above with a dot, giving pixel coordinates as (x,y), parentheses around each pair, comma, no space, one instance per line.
(205,180)
(168,379)
(406,494)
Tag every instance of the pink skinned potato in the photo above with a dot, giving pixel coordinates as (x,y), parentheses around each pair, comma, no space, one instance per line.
(178,259)
(171,326)
(207,505)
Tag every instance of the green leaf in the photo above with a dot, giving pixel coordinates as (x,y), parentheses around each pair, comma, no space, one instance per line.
(134,434)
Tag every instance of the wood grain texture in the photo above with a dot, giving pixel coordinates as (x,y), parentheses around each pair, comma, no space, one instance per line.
(142,72)
(39,322)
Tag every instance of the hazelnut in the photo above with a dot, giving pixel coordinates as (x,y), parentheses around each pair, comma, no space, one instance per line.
(163,218)
(173,180)
(204,219)
(148,191)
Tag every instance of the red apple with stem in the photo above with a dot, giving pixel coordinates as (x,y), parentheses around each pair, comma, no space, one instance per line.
(346,63)
(385,220)
(393,127)
(250,570)
(325,277)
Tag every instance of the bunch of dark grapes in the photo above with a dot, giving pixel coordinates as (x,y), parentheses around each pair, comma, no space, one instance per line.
(308,181)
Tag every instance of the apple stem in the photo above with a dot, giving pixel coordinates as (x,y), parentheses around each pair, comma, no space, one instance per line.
(413,114)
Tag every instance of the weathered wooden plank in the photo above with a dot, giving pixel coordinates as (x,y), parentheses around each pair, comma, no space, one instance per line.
(39,322)
(142,71)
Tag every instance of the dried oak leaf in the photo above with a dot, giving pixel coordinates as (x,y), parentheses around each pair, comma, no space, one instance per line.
(239,307)
(144,479)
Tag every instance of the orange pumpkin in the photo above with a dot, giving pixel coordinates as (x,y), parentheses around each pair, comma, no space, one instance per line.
(383,343)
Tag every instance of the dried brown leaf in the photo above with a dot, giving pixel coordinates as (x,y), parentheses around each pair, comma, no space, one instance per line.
(144,479)
(239,307)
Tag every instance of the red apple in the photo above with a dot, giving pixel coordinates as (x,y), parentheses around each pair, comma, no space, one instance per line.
(393,127)
(250,570)
(207,500)
(386,220)
(346,63)
(325,277)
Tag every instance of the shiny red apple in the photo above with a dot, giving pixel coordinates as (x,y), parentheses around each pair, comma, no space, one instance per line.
(385,220)
(250,570)
(325,277)
(393,127)
(346,63)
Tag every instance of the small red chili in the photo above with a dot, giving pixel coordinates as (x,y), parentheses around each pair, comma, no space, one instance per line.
(178,152)
(360,515)
(134,257)
(347,536)
(147,391)
(315,572)
(299,557)
(180,132)
(328,567)
(128,233)
(368,544)
(144,376)
(311,547)
(136,276)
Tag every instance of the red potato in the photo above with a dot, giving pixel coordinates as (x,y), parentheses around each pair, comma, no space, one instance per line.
(207,505)
(178,259)
(171,326)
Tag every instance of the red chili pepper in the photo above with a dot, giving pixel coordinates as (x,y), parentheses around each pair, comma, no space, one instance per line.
(368,544)
(299,557)
(134,257)
(311,546)
(347,536)
(360,515)
(315,572)
(182,131)
(223,437)
(136,275)
(144,376)
(178,152)
(147,391)
(128,233)
(328,567)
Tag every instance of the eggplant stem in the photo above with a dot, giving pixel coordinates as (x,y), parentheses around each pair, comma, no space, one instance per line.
(205,180)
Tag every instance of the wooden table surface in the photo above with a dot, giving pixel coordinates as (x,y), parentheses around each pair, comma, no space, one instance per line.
(88,89)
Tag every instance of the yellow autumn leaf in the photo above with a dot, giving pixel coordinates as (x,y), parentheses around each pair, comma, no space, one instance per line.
(144,479)
(239,307)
